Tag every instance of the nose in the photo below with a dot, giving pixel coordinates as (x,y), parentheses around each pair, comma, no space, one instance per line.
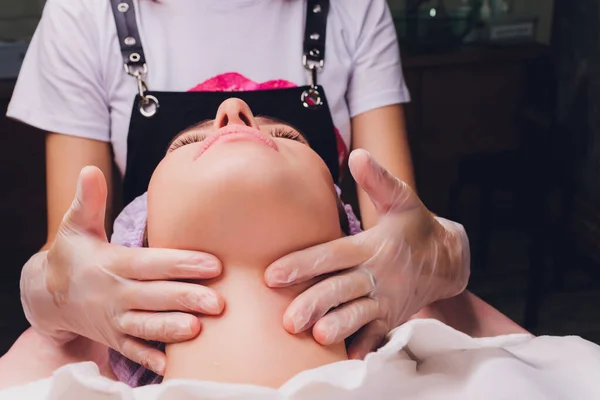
(234,112)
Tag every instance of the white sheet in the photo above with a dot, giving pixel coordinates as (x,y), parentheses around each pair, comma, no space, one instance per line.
(424,359)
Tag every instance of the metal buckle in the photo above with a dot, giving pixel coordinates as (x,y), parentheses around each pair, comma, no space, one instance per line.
(138,70)
(138,73)
(148,104)
(311,98)
(312,64)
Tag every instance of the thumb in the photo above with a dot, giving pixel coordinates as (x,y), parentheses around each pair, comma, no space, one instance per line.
(88,210)
(387,192)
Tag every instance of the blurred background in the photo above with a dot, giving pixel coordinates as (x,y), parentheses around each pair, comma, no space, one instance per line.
(505,134)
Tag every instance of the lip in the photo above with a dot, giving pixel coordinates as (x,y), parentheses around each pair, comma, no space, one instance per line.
(236,133)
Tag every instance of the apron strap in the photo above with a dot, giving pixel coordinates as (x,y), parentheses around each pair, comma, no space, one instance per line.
(128,34)
(314,37)
(132,50)
(134,60)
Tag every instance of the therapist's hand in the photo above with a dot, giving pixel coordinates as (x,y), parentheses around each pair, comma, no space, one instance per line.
(111,294)
(377,279)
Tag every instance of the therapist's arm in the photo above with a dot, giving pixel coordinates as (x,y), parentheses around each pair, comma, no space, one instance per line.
(382,132)
(34,356)
(66,156)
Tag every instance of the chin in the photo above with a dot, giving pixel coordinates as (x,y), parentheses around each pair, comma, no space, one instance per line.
(250,200)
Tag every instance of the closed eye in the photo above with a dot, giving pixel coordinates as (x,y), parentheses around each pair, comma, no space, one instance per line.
(287,133)
(187,138)
(195,136)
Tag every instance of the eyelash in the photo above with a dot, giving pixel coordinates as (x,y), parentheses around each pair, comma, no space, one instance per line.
(192,137)
(195,137)
(286,134)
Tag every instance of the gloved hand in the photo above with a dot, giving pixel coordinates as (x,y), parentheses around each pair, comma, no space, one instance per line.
(111,294)
(379,277)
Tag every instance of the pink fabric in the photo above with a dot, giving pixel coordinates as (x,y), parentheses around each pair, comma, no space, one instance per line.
(234,82)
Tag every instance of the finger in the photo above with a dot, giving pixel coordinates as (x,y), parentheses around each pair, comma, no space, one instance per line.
(344,321)
(317,300)
(166,327)
(304,265)
(173,296)
(368,339)
(87,212)
(146,264)
(144,354)
(385,191)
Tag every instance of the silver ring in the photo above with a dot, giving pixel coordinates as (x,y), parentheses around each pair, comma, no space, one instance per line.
(149,106)
(373,282)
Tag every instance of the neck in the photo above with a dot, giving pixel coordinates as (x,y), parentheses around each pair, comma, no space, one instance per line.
(247,343)
(254,222)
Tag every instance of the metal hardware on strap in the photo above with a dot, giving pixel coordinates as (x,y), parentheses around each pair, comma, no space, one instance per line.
(128,33)
(148,106)
(139,78)
(311,97)
(132,51)
(313,58)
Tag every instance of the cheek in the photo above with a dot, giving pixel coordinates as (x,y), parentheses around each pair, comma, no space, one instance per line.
(248,198)
(174,164)
(167,190)
(312,177)
(308,164)
(166,173)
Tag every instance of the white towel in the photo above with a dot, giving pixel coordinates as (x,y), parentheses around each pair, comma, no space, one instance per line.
(423,359)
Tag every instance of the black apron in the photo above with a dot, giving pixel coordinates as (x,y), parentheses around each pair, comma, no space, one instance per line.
(157,117)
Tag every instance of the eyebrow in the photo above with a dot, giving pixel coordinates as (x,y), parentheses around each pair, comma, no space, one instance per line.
(260,119)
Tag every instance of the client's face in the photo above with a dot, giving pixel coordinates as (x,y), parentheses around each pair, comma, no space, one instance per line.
(242,188)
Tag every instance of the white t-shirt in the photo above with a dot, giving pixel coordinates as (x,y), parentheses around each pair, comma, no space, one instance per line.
(73,82)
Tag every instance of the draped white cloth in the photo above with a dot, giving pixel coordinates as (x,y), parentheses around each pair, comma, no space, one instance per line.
(423,359)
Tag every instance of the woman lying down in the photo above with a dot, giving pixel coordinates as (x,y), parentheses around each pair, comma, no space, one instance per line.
(250,196)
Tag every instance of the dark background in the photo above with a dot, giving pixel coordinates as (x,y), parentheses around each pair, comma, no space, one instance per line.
(505,139)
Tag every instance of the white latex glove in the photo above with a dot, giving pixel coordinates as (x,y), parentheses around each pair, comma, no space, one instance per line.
(112,294)
(378,278)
